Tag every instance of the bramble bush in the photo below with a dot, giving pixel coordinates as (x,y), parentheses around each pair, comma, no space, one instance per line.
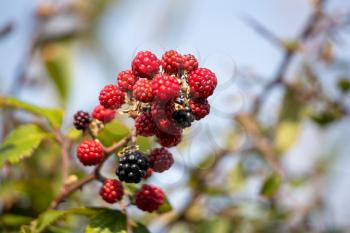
(94,172)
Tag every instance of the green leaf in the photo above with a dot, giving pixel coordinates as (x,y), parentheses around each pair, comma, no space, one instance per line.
(130,187)
(165,207)
(55,229)
(107,221)
(73,134)
(271,185)
(21,143)
(53,115)
(217,225)
(49,217)
(55,57)
(140,228)
(26,229)
(112,133)
(344,85)
(14,220)
(213,191)
(326,117)
(291,107)
(144,143)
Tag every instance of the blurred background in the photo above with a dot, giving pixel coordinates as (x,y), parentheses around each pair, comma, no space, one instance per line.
(273,156)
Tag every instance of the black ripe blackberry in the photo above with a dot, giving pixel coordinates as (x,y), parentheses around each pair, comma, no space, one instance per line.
(183,117)
(81,120)
(132,166)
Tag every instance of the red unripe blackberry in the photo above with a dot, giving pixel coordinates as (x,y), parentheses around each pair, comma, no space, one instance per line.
(149,198)
(202,82)
(160,159)
(200,108)
(90,152)
(145,64)
(143,90)
(81,120)
(168,140)
(144,124)
(126,80)
(111,97)
(172,61)
(103,114)
(112,191)
(162,117)
(165,87)
(190,63)
(162,110)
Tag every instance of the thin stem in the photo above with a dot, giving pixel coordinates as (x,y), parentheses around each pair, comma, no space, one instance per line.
(289,54)
(133,137)
(68,189)
(64,154)
(116,146)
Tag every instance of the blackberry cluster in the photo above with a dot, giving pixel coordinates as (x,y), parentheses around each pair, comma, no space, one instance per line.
(164,96)
(173,89)
(133,166)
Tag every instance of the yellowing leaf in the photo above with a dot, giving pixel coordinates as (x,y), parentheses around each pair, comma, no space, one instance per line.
(286,135)
(21,143)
